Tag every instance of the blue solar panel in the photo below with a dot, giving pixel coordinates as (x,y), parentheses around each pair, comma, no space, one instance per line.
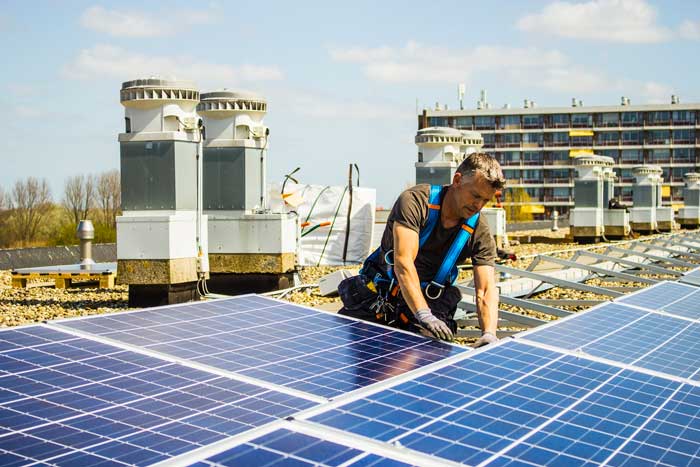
(582,328)
(658,296)
(561,410)
(68,400)
(687,307)
(286,448)
(671,437)
(319,353)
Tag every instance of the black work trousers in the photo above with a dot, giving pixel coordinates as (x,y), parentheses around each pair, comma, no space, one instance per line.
(358,300)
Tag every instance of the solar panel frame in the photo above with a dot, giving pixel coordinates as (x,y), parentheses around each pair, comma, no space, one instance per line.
(657,296)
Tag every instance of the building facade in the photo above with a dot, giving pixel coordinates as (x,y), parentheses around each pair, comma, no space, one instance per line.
(537,146)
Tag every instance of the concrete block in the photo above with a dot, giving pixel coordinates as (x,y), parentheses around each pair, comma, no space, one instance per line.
(252,263)
(328,284)
(156,271)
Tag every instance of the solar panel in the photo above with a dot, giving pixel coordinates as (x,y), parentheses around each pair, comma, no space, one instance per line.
(285,447)
(556,410)
(582,328)
(691,277)
(687,307)
(67,400)
(320,353)
(657,296)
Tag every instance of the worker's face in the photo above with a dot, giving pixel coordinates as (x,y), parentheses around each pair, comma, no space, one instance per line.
(472,193)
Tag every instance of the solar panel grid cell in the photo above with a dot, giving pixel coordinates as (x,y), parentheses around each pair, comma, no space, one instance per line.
(119,406)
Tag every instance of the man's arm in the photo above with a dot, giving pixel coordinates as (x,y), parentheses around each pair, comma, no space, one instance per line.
(486,303)
(406,244)
(405,252)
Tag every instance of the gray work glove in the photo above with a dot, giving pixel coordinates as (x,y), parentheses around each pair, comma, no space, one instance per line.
(438,327)
(485,339)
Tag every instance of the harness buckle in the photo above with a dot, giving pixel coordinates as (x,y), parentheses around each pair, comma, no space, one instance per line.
(386,257)
(439,292)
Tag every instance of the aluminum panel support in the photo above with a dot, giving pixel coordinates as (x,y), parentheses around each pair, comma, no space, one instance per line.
(528,304)
(558,282)
(648,267)
(598,270)
(663,259)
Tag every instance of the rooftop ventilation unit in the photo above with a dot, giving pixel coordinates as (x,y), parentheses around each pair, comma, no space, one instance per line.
(689,214)
(647,215)
(587,217)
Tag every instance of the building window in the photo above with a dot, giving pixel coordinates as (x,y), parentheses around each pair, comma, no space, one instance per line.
(581,120)
(677,174)
(683,117)
(535,194)
(557,176)
(607,138)
(659,155)
(532,139)
(437,121)
(489,140)
(532,121)
(484,122)
(509,140)
(533,158)
(683,155)
(558,121)
(683,136)
(658,118)
(631,118)
(559,157)
(560,139)
(609,119)
(509,122)
(581,141)
(532,176)
(464,123)
(631,137)
(560,194)
(631,156)
(626,176)
(658,137)
(614,153)
(509,158)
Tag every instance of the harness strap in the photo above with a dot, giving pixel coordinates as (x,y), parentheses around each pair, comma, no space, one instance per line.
(447,273)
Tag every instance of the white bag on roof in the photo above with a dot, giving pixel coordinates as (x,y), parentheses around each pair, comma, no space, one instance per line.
(323,216)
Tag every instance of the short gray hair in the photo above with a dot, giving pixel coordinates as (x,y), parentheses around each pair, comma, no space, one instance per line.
(487,165)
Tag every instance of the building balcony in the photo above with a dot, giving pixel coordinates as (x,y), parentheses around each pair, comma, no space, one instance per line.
(532,126)
(684,141)
(556,144)
(533,162)
(485,127)
(557,180)
(629,125)
(607,143)
(558,125)
(657,123)
(607,125)
(581,125)
(657,142)
(508,145)
(581,144)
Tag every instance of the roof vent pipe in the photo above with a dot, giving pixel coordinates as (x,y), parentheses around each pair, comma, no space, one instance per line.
(86,234)
(580,103)
(674,99)
(623,100)
(573,102)
(526,104)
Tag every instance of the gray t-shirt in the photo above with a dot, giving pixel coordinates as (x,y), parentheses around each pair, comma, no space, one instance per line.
(411,211)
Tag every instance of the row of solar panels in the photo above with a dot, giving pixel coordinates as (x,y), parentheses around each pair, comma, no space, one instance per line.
(254,381)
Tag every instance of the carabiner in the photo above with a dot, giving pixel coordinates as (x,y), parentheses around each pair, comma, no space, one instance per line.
(427,290)
(386,257)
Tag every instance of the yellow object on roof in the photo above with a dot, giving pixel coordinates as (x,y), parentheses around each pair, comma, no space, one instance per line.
(580,152)
(580,132)
(532,209)
(665,190)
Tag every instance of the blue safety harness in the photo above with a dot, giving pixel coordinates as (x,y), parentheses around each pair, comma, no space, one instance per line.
(447,273)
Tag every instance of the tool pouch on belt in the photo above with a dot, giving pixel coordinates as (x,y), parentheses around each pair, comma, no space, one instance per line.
(357,297)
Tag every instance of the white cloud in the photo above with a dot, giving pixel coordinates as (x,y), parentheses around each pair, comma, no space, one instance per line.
(28,111)
(416,62)
(115,62)
(690,30)
(630,21)
(138,24)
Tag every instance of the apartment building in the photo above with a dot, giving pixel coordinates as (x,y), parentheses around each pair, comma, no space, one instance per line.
(537,146)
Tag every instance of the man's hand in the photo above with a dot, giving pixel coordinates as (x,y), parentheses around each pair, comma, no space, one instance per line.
(438,327)
(485,339)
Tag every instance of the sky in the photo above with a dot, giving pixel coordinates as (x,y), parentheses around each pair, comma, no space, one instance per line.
(343,80)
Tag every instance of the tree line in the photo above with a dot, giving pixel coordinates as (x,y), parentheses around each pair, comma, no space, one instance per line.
(29,216)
